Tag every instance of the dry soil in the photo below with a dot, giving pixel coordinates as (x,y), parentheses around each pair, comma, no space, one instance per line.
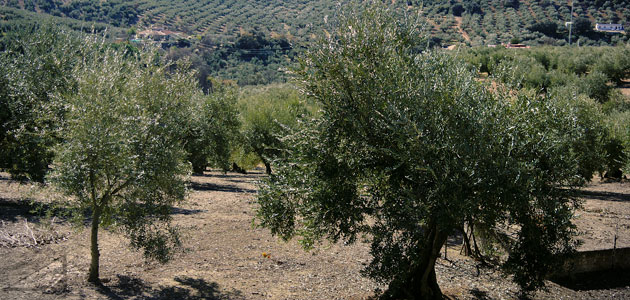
(225,257)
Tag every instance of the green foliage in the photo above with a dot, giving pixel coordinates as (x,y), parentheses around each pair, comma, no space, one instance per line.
(595,85)
(536,21)
(592,71)
(252,42)
(267,114)
(616,121)
(212,128)
(36,63)
(615,64)
(13,19)
(546,27)
(115,12)
(582,26)
(121,158)
(410,145)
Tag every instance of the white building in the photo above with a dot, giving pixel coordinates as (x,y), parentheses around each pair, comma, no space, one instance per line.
(609,27)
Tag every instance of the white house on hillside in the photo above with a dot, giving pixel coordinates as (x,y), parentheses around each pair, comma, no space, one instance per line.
(609,27)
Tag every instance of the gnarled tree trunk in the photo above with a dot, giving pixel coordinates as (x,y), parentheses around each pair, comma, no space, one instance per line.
(267,166)
(421,282)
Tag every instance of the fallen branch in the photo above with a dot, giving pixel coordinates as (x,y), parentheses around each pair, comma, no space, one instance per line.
(30,231)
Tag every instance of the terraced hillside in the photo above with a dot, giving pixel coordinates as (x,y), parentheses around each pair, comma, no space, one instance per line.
(474,22)
(254,41)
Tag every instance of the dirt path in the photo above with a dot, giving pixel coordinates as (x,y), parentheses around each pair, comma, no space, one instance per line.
(605,218)
(625,88)
(223,255)
(458,24)
(223,258)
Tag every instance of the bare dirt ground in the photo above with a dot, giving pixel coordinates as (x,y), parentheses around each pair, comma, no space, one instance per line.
(625,87)
(42,258)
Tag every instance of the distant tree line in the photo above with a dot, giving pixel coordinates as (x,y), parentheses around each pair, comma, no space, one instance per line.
(592,72)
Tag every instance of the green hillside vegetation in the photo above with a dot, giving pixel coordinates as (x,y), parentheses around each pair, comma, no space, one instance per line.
(533,22)
(474,22)
(253,42)
(584,72)
(12,20)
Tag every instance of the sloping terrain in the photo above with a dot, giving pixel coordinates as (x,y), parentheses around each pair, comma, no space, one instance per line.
(475,22)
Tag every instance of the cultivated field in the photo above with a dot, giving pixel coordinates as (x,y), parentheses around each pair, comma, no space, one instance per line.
(226,258)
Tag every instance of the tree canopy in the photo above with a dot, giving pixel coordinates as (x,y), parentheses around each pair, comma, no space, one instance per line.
(212,128)
(35,64)
(267,114)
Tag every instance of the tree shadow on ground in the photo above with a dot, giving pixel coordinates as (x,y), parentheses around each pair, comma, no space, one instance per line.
(15,209)
(189,289)
(601,280)
(219,188)
(12,208)
(231,174)
(185,211)
(235,176)
(606,196)
(481,295)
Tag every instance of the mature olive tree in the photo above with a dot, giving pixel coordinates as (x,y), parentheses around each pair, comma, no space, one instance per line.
(267,113)
(212,128)
(121,159)
(409,146)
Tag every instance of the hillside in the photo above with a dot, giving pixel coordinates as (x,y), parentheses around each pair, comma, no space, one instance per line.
(253,41)
(474,22)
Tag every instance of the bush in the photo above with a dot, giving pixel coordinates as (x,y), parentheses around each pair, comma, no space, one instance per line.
(266,114)
(34,67)
(212,128)
(595,85)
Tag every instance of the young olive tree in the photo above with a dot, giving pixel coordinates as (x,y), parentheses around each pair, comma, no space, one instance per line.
(121,160)
(409,146)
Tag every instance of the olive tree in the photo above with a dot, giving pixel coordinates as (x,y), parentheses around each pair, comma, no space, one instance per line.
(121,161)
(409,145)
(212,128)
(34,65)
(267,113)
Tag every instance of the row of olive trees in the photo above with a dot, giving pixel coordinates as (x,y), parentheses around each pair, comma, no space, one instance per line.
(114,130)
(405,148)
(117,130)
(409,146)
(38,63)
(592,72)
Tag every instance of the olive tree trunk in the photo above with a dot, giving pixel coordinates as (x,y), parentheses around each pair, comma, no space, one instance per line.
(420,283)
(267,166)
(93,273)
